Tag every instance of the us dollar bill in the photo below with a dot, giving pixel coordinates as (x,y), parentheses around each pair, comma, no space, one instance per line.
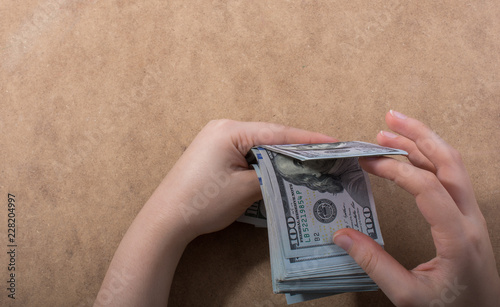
(255,215)
(337,150)
(316,198)
(310,191)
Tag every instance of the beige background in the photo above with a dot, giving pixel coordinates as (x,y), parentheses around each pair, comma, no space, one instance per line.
(99,99)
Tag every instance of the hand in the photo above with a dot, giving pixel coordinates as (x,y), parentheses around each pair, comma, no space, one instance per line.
(464,271)
(211,182)
(206,190)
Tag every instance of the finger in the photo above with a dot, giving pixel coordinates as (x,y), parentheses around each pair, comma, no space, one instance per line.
(249,190)
(416,158)
(450,169)
(436,205)
(252,134)
(389,274)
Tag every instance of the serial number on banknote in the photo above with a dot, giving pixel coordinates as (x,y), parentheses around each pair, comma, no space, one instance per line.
(303,220)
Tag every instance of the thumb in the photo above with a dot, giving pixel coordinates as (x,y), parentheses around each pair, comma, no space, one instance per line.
(389,274)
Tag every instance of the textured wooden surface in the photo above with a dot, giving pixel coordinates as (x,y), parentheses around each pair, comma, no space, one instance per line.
(99,99)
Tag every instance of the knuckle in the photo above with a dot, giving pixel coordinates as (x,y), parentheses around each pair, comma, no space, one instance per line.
(482,222)
(403,298)
(279,128)
(457,156)
(221,124)
(473,241)
(429,181)
(454,155)
(285,130)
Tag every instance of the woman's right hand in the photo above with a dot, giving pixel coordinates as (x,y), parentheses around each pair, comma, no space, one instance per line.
(464,272)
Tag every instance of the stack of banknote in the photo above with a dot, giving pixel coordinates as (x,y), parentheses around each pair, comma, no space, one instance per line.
(309,192)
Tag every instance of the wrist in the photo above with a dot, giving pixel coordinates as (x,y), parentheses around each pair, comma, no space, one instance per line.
(147,257)
(172,206)
(165,222)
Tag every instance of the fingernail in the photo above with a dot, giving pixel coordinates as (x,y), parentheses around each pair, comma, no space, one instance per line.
(398,115)
(388,134)
(345,242)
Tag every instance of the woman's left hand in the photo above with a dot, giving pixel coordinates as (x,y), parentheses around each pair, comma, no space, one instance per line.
(211,184)
(206,190)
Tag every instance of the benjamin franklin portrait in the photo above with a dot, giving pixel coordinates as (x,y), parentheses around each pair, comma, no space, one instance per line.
(328,175)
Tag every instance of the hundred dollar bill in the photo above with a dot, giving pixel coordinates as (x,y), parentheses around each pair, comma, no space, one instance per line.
(310,191)
(316,198)
(337,150)
(255,215)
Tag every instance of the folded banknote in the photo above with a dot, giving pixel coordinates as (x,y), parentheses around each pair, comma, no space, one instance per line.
(309,192)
